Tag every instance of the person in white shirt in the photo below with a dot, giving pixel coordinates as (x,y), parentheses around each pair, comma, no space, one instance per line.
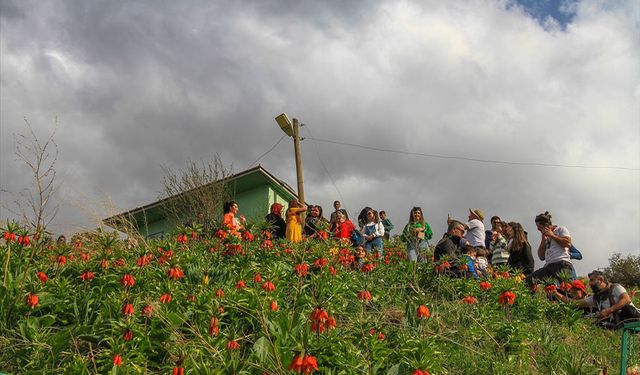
(554,247)
(475,228)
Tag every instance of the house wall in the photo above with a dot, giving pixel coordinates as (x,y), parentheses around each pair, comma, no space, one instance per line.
(254,203)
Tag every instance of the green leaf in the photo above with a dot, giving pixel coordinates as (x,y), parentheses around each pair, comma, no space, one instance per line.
(261,348)
(394,370)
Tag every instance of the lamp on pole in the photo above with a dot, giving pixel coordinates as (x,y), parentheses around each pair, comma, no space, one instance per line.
(292,131)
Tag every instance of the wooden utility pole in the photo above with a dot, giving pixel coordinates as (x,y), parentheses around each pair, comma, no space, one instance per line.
(296,146)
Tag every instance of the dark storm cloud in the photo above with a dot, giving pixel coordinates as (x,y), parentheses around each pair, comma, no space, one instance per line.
(137,85)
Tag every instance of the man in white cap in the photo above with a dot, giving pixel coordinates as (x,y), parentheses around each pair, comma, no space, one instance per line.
(475,228)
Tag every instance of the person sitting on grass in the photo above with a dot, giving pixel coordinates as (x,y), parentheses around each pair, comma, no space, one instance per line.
(610,301)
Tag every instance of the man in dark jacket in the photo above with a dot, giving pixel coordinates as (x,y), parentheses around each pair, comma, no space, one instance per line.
(449,246)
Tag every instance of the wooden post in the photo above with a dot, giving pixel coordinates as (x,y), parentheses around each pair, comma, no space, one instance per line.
(296,145)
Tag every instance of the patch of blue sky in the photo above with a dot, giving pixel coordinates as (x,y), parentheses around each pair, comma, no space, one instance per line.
(551,14)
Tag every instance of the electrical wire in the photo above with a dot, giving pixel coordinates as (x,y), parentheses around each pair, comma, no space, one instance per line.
(333,182)
(268,151)
(472,159)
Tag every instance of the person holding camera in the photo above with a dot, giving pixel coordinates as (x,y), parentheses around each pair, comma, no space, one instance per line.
(612,303)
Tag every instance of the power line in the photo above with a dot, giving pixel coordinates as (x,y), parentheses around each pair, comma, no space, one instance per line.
(306,128)
(489,161)
(268,151)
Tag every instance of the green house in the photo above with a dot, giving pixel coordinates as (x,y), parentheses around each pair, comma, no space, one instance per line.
(254,189)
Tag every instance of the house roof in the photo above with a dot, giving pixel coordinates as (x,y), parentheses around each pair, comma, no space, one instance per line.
(242,180)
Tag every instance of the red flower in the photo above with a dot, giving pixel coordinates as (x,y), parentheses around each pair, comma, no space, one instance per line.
(9,236)
(175,273)
(117,360)
(365,295)
(221,234)
(241,285)
(219,293)
(423,312)
(333,270)
(213,326)
(564,286)
(372,331)
(183,239)
(469,300)
(127,280)
(274,306)
(550,288)
(368,267)
(381,336)
(268,287)
(178,371)
(142,261)
(320,262)
(320,320)
(247,236)
(166,298)
(304,364)
(233,345)
(266,244)
(127,335)
(42,276)
(87,276)
(120,262)
(62,260)
(257,278)
(32,300)
(104,263)
(421,372)
(507,297)
(85,256)
(302,269)
(147,311)
(506,274)
(127,309)
(485,285)
(24,241)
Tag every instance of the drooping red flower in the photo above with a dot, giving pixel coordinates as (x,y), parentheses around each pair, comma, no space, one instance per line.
(320,262)
(247,236)
(469,300)
(564,286)
(142,261)
(485,285)
(241,285)
(372,331)
(423,312)
(175,273)
(127,280)
(62,260)
(127,335)
(219,293)
(367,267)
(381,336)
(9,236)
(24,241)
(268,287)
(257,278)
(182,239)
(117,360)
(421,372)
(274,305)
(120,262)
(166,298)
(127,309)
(302,269)
(304,364)
(506,274)
(507,298)
(178,371)
(213,326)
(32,300)
(221,234)
(104,263)
(550,289)
(233,345)
(87,276)
(320,320)
(365,296)
(147,311)
(333,270)
(85,256)
(42,276)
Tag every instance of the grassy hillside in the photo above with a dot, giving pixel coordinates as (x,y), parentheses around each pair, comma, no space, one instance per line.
(221,306)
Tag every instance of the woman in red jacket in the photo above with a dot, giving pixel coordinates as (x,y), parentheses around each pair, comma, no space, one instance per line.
(344,227)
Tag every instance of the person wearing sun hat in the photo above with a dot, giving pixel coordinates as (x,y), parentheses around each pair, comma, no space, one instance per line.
(475,228)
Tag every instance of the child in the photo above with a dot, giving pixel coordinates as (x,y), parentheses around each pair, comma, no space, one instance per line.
(481,262)
(359,255)
(470,258)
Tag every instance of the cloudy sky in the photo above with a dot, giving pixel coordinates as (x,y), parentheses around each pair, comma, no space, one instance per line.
(138,85)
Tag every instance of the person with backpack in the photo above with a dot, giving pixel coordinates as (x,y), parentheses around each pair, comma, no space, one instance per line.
(611,302)
(416,234)
(554,247)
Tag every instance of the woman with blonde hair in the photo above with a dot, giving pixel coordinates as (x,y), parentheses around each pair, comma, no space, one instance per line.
(294,221)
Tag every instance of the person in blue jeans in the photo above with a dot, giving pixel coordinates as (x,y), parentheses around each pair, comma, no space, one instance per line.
(416,234)
(373,231)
